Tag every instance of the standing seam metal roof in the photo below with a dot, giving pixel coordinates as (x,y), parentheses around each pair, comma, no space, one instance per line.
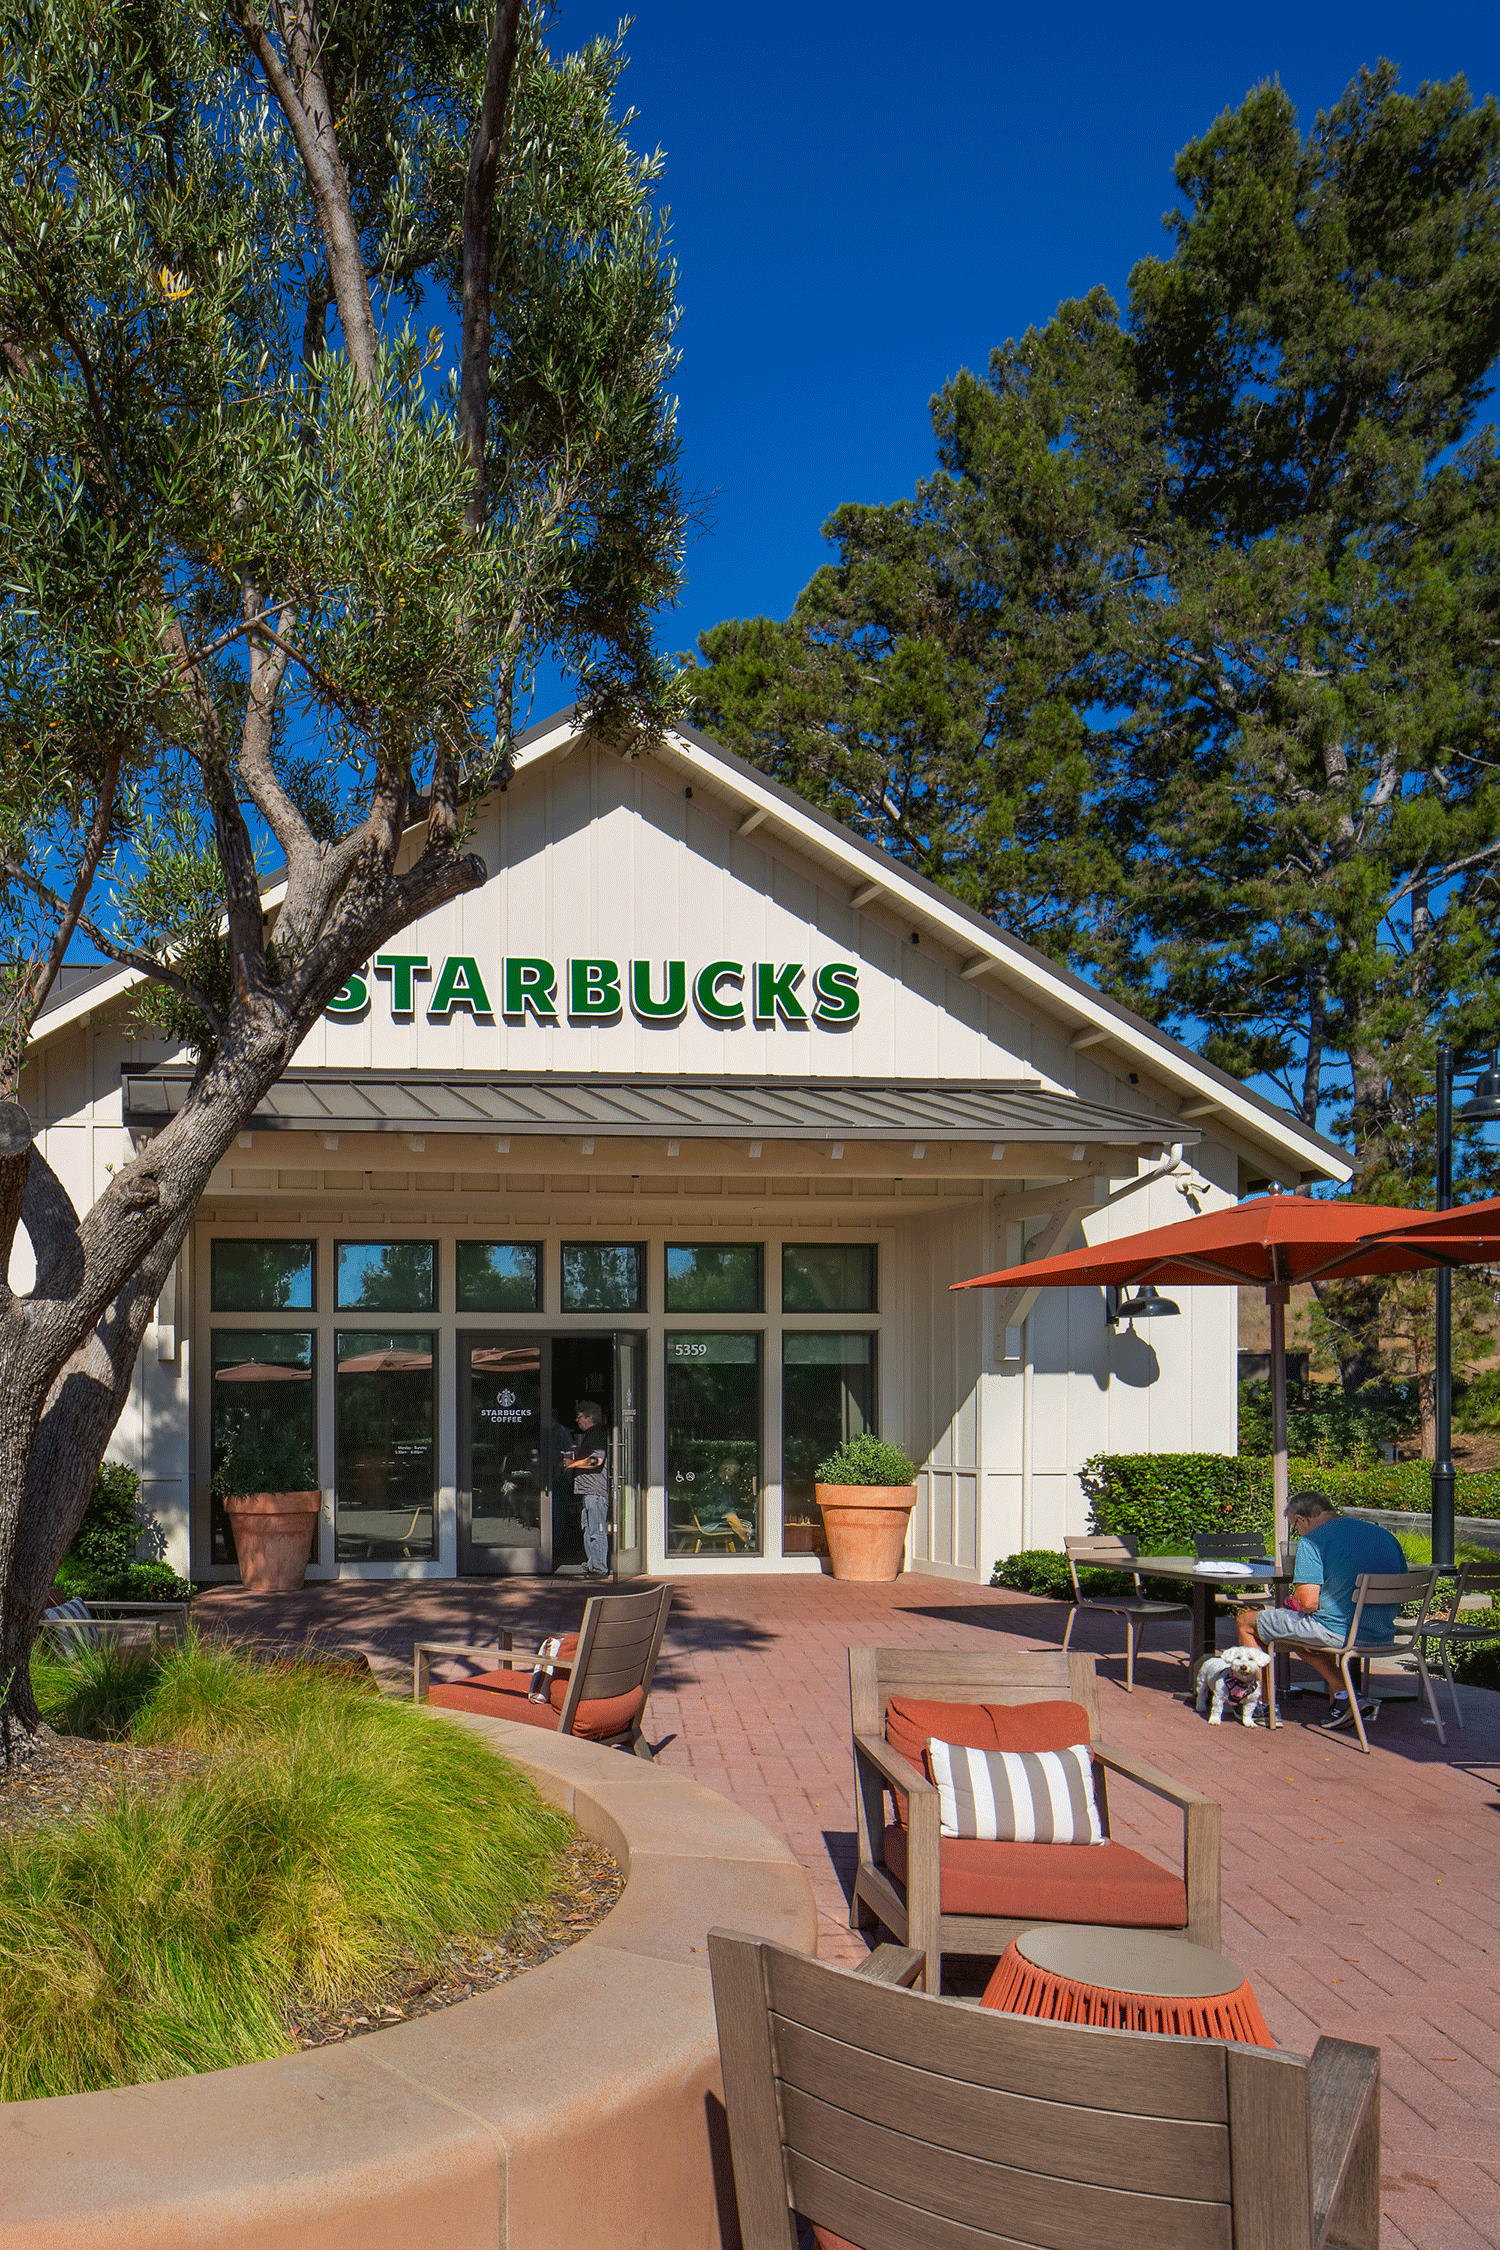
(697,1108)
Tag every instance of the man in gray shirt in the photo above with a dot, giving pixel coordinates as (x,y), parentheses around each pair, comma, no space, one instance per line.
(591,1483)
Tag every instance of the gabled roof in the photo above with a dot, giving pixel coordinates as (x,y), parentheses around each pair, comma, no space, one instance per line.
(876,876)
(987,953)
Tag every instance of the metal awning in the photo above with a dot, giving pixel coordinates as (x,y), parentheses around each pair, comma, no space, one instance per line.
(787,1109)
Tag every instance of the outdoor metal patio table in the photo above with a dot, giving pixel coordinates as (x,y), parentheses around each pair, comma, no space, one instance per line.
(1205,1585)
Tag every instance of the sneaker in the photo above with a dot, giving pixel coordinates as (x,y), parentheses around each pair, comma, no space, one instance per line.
(1339,1714)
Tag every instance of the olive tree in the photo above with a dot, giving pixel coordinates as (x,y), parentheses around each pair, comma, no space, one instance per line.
(333,357)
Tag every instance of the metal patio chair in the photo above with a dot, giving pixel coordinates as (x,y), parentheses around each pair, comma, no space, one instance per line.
(77,1624)
(1100,1553)
(1449,1630)
(1378,1590)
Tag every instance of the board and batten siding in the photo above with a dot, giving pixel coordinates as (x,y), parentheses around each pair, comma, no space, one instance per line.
(592,856)
(1001,1444)
(598,857)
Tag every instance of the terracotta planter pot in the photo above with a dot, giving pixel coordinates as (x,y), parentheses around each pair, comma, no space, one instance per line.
(866,1526)
(273,1537)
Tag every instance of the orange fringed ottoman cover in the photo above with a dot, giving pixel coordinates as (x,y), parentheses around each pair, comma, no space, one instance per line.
(1023,1989)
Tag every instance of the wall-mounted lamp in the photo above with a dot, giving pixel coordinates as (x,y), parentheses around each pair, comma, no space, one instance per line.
(1144,1305)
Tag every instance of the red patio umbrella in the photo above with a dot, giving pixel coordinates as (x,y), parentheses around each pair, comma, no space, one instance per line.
(388,1362)
(1273,1240)
(263,1371)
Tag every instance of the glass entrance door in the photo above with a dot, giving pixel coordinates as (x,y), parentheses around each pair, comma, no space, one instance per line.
(627,1454)
(506,1444)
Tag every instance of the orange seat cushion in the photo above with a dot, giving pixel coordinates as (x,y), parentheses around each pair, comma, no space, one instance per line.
(910,1725)
(1037,1726)
(507,1695)
(1106,1883)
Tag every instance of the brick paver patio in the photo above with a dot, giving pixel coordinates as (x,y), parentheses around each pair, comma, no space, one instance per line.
(1360,1894)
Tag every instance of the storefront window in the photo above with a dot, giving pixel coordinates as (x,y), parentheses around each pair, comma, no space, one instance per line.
(828,1277)
(387,1277)
(713,1444)
(262,1276)
(265,1428)
(604,1277)
(714,1277)
(499,1276)
(827,1395)
(386,1474)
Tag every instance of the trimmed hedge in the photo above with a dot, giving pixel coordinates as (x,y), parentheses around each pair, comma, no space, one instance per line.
(1398,1484)
(1163,1499)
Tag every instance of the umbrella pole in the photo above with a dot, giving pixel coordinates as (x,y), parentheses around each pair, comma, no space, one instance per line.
(1276,1299)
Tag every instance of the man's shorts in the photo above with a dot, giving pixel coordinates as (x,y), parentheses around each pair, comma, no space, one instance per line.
(1296,1625)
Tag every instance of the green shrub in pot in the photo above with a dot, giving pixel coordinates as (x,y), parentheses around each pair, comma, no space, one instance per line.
(865,1491)
(866,1460)
(265,1457)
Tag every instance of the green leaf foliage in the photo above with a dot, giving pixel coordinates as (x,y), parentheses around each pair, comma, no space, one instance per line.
(1163,1500)
(866,1460)
(1182,666)
(217,522)
(266,1456)
(101,1562)
(1041,1571)
(1327,1423)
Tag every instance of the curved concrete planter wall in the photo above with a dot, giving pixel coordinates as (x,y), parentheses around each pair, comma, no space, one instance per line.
(577,2106)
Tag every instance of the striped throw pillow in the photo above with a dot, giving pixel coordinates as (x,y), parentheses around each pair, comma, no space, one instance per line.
(1016,1796)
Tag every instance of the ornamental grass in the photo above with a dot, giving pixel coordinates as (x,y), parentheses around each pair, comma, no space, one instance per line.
(328,1833)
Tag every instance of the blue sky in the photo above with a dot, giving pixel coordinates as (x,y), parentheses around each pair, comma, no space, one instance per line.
(866,198)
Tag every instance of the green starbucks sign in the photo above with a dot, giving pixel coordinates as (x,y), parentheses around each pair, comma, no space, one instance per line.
(596,990)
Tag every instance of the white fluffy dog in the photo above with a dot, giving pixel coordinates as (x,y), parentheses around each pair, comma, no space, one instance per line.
(1233,1679)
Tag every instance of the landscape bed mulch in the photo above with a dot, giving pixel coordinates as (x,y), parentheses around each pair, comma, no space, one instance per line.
(67,1775)
(589,1883)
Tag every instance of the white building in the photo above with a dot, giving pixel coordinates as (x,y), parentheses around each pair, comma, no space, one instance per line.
(695,1109)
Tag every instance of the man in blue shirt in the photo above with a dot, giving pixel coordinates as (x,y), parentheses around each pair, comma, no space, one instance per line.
(1332,1551)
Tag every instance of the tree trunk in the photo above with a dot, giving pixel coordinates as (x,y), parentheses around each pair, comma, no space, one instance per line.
(68,1350)
(48,1462)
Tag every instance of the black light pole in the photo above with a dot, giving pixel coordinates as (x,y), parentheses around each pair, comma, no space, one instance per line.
(1442,1459)
(1482,1109)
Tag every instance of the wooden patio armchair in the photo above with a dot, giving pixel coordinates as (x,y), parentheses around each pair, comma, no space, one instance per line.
(69,1626)
(889,2119)
(602,1673)
(1104,1883)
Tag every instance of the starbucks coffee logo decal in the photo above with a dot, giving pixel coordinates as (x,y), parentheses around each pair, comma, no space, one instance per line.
(505,1409)
(597,990)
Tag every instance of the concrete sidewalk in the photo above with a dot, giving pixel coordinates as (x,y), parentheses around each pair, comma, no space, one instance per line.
(1360,1893)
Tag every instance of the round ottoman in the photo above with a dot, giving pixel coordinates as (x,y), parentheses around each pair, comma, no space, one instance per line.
(1126,1980)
